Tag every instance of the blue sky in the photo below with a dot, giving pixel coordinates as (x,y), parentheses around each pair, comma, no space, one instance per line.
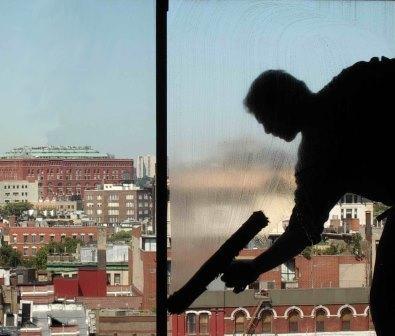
(78,72)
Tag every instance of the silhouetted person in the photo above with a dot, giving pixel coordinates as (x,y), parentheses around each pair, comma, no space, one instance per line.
(347,137)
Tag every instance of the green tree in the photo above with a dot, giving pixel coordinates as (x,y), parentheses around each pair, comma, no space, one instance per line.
(15,209)
(70,245)
(121,236)
(41,258)
(9,257)
(307,252)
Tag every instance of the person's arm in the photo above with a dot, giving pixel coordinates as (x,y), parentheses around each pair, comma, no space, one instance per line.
(314,198)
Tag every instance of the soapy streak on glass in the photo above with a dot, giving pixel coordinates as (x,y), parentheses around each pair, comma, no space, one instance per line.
(222,166)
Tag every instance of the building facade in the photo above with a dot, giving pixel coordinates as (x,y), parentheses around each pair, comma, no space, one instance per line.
(334,311)
(18,191)
(64,171)
(351,207)
(28,240)
(113,204)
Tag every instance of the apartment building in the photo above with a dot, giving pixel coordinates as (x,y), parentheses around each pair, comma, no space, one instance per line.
(113,204)
(18,191)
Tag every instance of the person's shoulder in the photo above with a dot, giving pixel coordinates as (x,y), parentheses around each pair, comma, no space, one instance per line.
(355,75)
(372,65)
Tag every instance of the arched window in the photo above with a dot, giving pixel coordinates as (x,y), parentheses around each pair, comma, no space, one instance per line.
(240,319)
(293,321)
(320,320)
(191,324)
(345,317)
(203,324)
(266,318)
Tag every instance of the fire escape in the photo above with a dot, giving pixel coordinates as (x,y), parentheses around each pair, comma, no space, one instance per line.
(264,301)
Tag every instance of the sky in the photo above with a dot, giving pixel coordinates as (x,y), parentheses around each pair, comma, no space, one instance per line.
(78,73)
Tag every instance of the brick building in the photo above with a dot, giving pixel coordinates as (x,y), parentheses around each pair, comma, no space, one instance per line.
(142,270)
(321,271)
(337,311)
(64,171)
(28,240)
(110,203)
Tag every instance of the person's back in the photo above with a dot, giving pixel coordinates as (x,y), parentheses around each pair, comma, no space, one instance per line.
(346,142)
(351,128)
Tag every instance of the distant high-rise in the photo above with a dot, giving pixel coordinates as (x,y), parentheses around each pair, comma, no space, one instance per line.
(146,166)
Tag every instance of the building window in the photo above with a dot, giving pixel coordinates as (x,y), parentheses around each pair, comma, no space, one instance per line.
(42,238)
(33,238)
(117,279)
(203,324)
(240,319)
(319,320)
(34,251)
(25,251)
(293,321)
(191,324)
(267,321)
(113,198)
(288,271)
(345,318)
(25,238)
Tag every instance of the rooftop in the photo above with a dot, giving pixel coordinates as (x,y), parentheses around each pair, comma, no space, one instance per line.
(54,152)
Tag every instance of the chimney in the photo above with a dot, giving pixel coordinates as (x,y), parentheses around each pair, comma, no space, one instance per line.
(101,248)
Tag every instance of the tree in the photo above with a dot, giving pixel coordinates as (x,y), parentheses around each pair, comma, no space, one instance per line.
(356,246)
(15,209)
(41,258)
(121,236)
(70,244)
(9,257)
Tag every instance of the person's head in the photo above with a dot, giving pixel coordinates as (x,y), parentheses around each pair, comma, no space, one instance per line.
(277,100)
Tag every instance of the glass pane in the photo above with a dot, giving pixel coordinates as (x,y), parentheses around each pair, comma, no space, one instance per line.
(222,164)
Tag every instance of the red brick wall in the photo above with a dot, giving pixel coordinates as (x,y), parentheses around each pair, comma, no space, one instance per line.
(220,323)
(149,291)
(69,231)
(39,169)
(321,271)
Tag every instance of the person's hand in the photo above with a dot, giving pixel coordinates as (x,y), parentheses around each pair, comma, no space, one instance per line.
(240,274)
